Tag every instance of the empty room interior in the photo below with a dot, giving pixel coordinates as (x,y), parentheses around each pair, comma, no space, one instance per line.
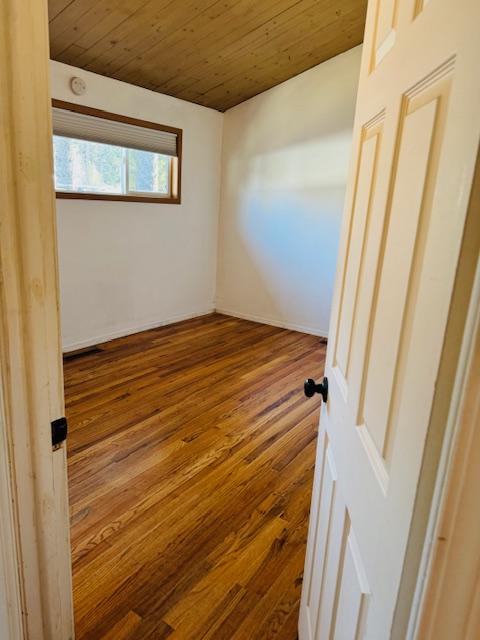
(189,326)
(264,233)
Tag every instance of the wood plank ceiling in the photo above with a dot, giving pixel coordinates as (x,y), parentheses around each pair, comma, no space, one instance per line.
(217,53)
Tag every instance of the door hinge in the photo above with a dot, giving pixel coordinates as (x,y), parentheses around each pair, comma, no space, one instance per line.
(59,431)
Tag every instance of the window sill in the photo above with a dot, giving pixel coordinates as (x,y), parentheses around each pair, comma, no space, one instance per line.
(115,198)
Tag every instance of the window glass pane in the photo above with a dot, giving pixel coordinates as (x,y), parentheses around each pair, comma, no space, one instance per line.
(88,167)
(92,167)
(63,164)
(148,172)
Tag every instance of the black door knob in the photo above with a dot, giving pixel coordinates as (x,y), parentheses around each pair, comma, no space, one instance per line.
(310,388)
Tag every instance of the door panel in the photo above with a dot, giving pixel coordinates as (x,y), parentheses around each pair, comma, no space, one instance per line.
(337,588)
(417,131)
(368,163)
(419,6)
(385,30)
(334,563)
(353,594)
(390,323)
(314,576)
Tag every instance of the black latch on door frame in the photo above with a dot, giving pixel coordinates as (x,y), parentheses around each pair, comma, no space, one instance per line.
(59,431)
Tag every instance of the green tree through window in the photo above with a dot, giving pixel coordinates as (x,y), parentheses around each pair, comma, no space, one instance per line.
(147,172)
(92,167)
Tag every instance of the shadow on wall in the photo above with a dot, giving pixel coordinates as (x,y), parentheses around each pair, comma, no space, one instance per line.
(286,155)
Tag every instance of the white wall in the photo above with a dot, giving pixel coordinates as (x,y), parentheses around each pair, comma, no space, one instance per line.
(128,266)
(285,165)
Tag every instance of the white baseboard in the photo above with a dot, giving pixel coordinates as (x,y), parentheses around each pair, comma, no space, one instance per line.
(274,322)
(127,331)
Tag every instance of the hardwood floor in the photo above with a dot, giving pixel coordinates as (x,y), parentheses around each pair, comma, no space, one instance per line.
(191,454)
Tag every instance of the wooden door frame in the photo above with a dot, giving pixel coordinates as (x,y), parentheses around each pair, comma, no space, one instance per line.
(11,615)
(37,542)
(448,589)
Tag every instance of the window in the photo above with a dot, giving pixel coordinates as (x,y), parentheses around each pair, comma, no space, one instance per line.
(82,166)
(98,155)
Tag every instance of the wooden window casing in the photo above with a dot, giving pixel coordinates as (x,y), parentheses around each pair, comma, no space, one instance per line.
(175,173)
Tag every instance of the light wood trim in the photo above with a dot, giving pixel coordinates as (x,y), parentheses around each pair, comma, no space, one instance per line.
(447,599)
(175,190)
(30,353)
(11,622)
(451,600)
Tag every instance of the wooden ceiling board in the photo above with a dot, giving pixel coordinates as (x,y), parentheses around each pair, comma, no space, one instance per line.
(217,53)
(109,49)
(55,6)
(213,52)
(87,25)
(210,39)
(151,23)
(307,52)
(261,62)
(89,22)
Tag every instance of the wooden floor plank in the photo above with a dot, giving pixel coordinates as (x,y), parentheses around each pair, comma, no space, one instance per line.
(191,455)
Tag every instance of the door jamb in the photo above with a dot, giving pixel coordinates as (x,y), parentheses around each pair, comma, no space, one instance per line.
(10,592)
(31,379)
(449,491)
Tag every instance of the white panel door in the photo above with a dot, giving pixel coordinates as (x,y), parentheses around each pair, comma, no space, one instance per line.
(416,137)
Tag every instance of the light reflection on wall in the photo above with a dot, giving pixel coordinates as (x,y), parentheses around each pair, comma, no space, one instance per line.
(286,156)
